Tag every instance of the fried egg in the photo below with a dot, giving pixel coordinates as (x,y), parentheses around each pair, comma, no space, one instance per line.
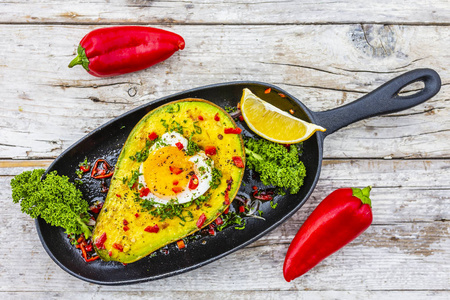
(171,175)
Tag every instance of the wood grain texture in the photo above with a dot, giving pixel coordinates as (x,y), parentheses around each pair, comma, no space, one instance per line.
(226,12)
(47,107)
(404,249)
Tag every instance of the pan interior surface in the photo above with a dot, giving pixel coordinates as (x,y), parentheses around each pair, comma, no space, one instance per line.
(106,142)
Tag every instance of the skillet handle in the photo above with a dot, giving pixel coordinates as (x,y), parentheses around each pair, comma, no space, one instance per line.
(383,100)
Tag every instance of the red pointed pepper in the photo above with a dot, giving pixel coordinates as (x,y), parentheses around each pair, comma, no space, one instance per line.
(118,50)
(336,221)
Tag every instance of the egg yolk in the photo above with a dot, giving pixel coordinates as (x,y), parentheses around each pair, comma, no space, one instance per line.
(164,167)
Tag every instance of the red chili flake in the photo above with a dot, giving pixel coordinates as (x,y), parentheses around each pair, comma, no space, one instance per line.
(117,195)
(175,182)
(125,222)
(291,111)
(267,91)
(211,231)
(100,241)
(219,221)
(241,209)
(118,247)
(226,210)
(201,220)
(236,130)
(282,95)
(255,187)
(210,150)
(144,191)
(125,228)
(216,117)
(200,118)
(177,189)
(179,146)
(136,215)
(181,244)
(152,229)
(152,136)
(110,253)
(88,248)
(175,170)
(241,118)
(238,161)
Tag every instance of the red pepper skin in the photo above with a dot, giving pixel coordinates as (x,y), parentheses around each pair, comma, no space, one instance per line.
(119,50)
(337,220)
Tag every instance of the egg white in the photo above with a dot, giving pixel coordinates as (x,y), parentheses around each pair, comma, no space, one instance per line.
(202,167)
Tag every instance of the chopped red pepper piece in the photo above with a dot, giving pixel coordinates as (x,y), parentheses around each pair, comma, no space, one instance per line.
(118,247)
(211,231)
(216,117)
(236,130)
(175,170)
(193,182)
(227,198)
(144,191)
(117,195)
(85,168)
(152,136)
(177,189)
(241,209)
(200,118)
(101,169)
(238,161)
(93,258)
(179,146)
(175,182)
(88,248)
(100,241)
(201,220)
(110,253)
(126,228)
(241,118)
(226,211)
(210,150)
(267,91)
(125,222)
(136,215)
(219,221)
(282,95)
(152,229)
(181,244)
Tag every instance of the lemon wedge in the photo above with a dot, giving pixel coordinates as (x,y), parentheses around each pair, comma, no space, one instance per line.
(272,123)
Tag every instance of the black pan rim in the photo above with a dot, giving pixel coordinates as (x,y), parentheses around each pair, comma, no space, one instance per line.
(318,137)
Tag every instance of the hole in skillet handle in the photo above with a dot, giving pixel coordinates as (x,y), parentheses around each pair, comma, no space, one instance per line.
(383,100)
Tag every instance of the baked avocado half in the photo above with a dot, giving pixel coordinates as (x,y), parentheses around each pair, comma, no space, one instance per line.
(177,172)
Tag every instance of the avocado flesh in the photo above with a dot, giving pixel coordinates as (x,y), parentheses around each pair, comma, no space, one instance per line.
(120,205)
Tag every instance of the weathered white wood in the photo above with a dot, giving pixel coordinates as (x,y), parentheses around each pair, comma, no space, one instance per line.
(226,12)
(249,295)
(46,106)
(405,249)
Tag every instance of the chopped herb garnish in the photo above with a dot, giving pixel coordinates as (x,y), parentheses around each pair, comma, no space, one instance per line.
(172,110)
(216,178)
(142,155)
(230,109)
(134,178)
(273,205)
(197,128)
(192,147)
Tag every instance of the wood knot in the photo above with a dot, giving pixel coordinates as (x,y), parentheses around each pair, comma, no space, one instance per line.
(374,40)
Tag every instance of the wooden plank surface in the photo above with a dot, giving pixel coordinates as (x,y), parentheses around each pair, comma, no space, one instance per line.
(326,53)
(226,12)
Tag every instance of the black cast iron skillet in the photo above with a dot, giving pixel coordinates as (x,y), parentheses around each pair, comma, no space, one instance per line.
(107,140)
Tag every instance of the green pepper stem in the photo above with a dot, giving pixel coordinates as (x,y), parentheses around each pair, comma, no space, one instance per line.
(363,194)
(81,59)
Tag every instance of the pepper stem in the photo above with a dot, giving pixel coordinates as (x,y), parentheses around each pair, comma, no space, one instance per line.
(363,194)
(81,59)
